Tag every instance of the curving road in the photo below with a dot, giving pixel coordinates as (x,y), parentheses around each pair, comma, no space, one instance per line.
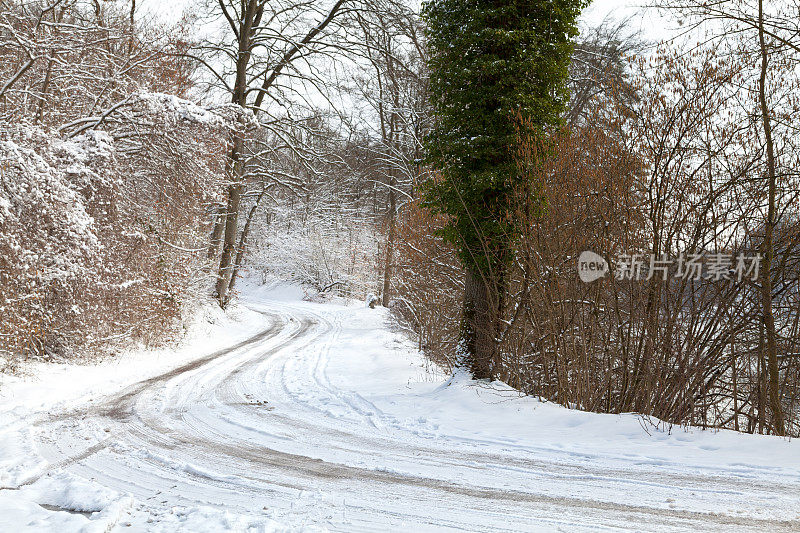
(266,427)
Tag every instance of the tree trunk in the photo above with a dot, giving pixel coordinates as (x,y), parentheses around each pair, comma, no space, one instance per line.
(231,224)
(387,267)
(132,21)
(478,331)
(45,86)
(228,244)
(57,17)
(251,14)
(768,245)
(243,241)
(216,232)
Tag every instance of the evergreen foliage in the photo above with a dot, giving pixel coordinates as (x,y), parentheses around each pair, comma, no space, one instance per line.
(497,67)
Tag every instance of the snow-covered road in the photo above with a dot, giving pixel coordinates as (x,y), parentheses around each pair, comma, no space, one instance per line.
(325,419)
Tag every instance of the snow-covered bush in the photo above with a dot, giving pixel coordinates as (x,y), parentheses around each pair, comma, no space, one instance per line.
(105,184)
(48,243)
(104,236)
(325,250)
(66,61)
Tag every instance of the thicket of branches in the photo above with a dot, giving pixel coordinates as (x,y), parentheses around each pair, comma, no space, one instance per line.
(684,168)
(149,201)
(104,183)
(121,202)
(353,163)
(683,150)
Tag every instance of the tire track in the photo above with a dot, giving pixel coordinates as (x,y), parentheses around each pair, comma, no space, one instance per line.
(218,430)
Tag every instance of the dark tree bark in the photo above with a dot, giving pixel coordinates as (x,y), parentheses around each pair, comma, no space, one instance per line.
(240,249)
(480,326)
(251,14)
(216,232)
(234,194)
(768,244)
(387,267)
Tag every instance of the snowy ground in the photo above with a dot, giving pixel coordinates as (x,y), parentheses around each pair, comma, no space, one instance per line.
(299,416)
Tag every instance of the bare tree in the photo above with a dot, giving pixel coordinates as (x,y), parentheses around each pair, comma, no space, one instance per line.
(388,35)
(768,35)
(71,59)
(263,43)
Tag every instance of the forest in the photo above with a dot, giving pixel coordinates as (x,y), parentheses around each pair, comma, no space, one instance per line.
(399,265)
(146,166)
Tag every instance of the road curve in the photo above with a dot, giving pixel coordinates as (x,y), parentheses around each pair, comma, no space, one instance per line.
(261,427)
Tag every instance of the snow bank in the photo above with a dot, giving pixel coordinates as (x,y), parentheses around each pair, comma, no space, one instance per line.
(384,368)
(19,514)
(72,504)
(61,502)
(204,519)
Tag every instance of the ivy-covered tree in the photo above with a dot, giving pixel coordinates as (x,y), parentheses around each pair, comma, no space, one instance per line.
(498,72)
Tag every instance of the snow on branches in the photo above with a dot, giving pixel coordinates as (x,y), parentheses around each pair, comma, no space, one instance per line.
(103,234)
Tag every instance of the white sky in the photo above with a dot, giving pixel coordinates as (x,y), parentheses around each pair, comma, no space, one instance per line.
(651,25)
(168,11)
(647,21)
